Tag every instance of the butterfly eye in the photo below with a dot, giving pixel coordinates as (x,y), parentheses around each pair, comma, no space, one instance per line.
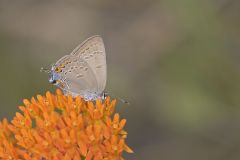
(54,82)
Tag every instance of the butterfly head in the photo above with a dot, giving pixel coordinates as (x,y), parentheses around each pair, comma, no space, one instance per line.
(54,77)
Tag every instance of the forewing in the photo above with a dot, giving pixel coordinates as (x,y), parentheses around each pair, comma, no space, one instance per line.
(62,61)
(92,51)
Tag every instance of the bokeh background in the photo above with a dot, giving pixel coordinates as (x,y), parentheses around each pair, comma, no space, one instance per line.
(177,62)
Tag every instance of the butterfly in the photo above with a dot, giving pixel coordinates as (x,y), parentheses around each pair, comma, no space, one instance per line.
(83,72)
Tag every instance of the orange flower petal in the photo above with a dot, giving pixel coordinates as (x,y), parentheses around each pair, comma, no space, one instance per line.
(57,127)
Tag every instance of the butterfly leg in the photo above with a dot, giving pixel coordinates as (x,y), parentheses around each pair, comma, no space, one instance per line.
(62,85)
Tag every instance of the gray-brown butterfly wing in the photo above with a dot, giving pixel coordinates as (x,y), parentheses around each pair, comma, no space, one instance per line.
(92,51)
(77,76)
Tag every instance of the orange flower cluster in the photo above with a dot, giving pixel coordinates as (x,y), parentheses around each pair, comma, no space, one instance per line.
(58,127)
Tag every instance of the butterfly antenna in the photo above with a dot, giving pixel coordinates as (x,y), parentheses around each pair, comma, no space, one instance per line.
(118,98)
(44,70)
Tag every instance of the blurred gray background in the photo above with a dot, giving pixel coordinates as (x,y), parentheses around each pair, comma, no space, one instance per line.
(177,62)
